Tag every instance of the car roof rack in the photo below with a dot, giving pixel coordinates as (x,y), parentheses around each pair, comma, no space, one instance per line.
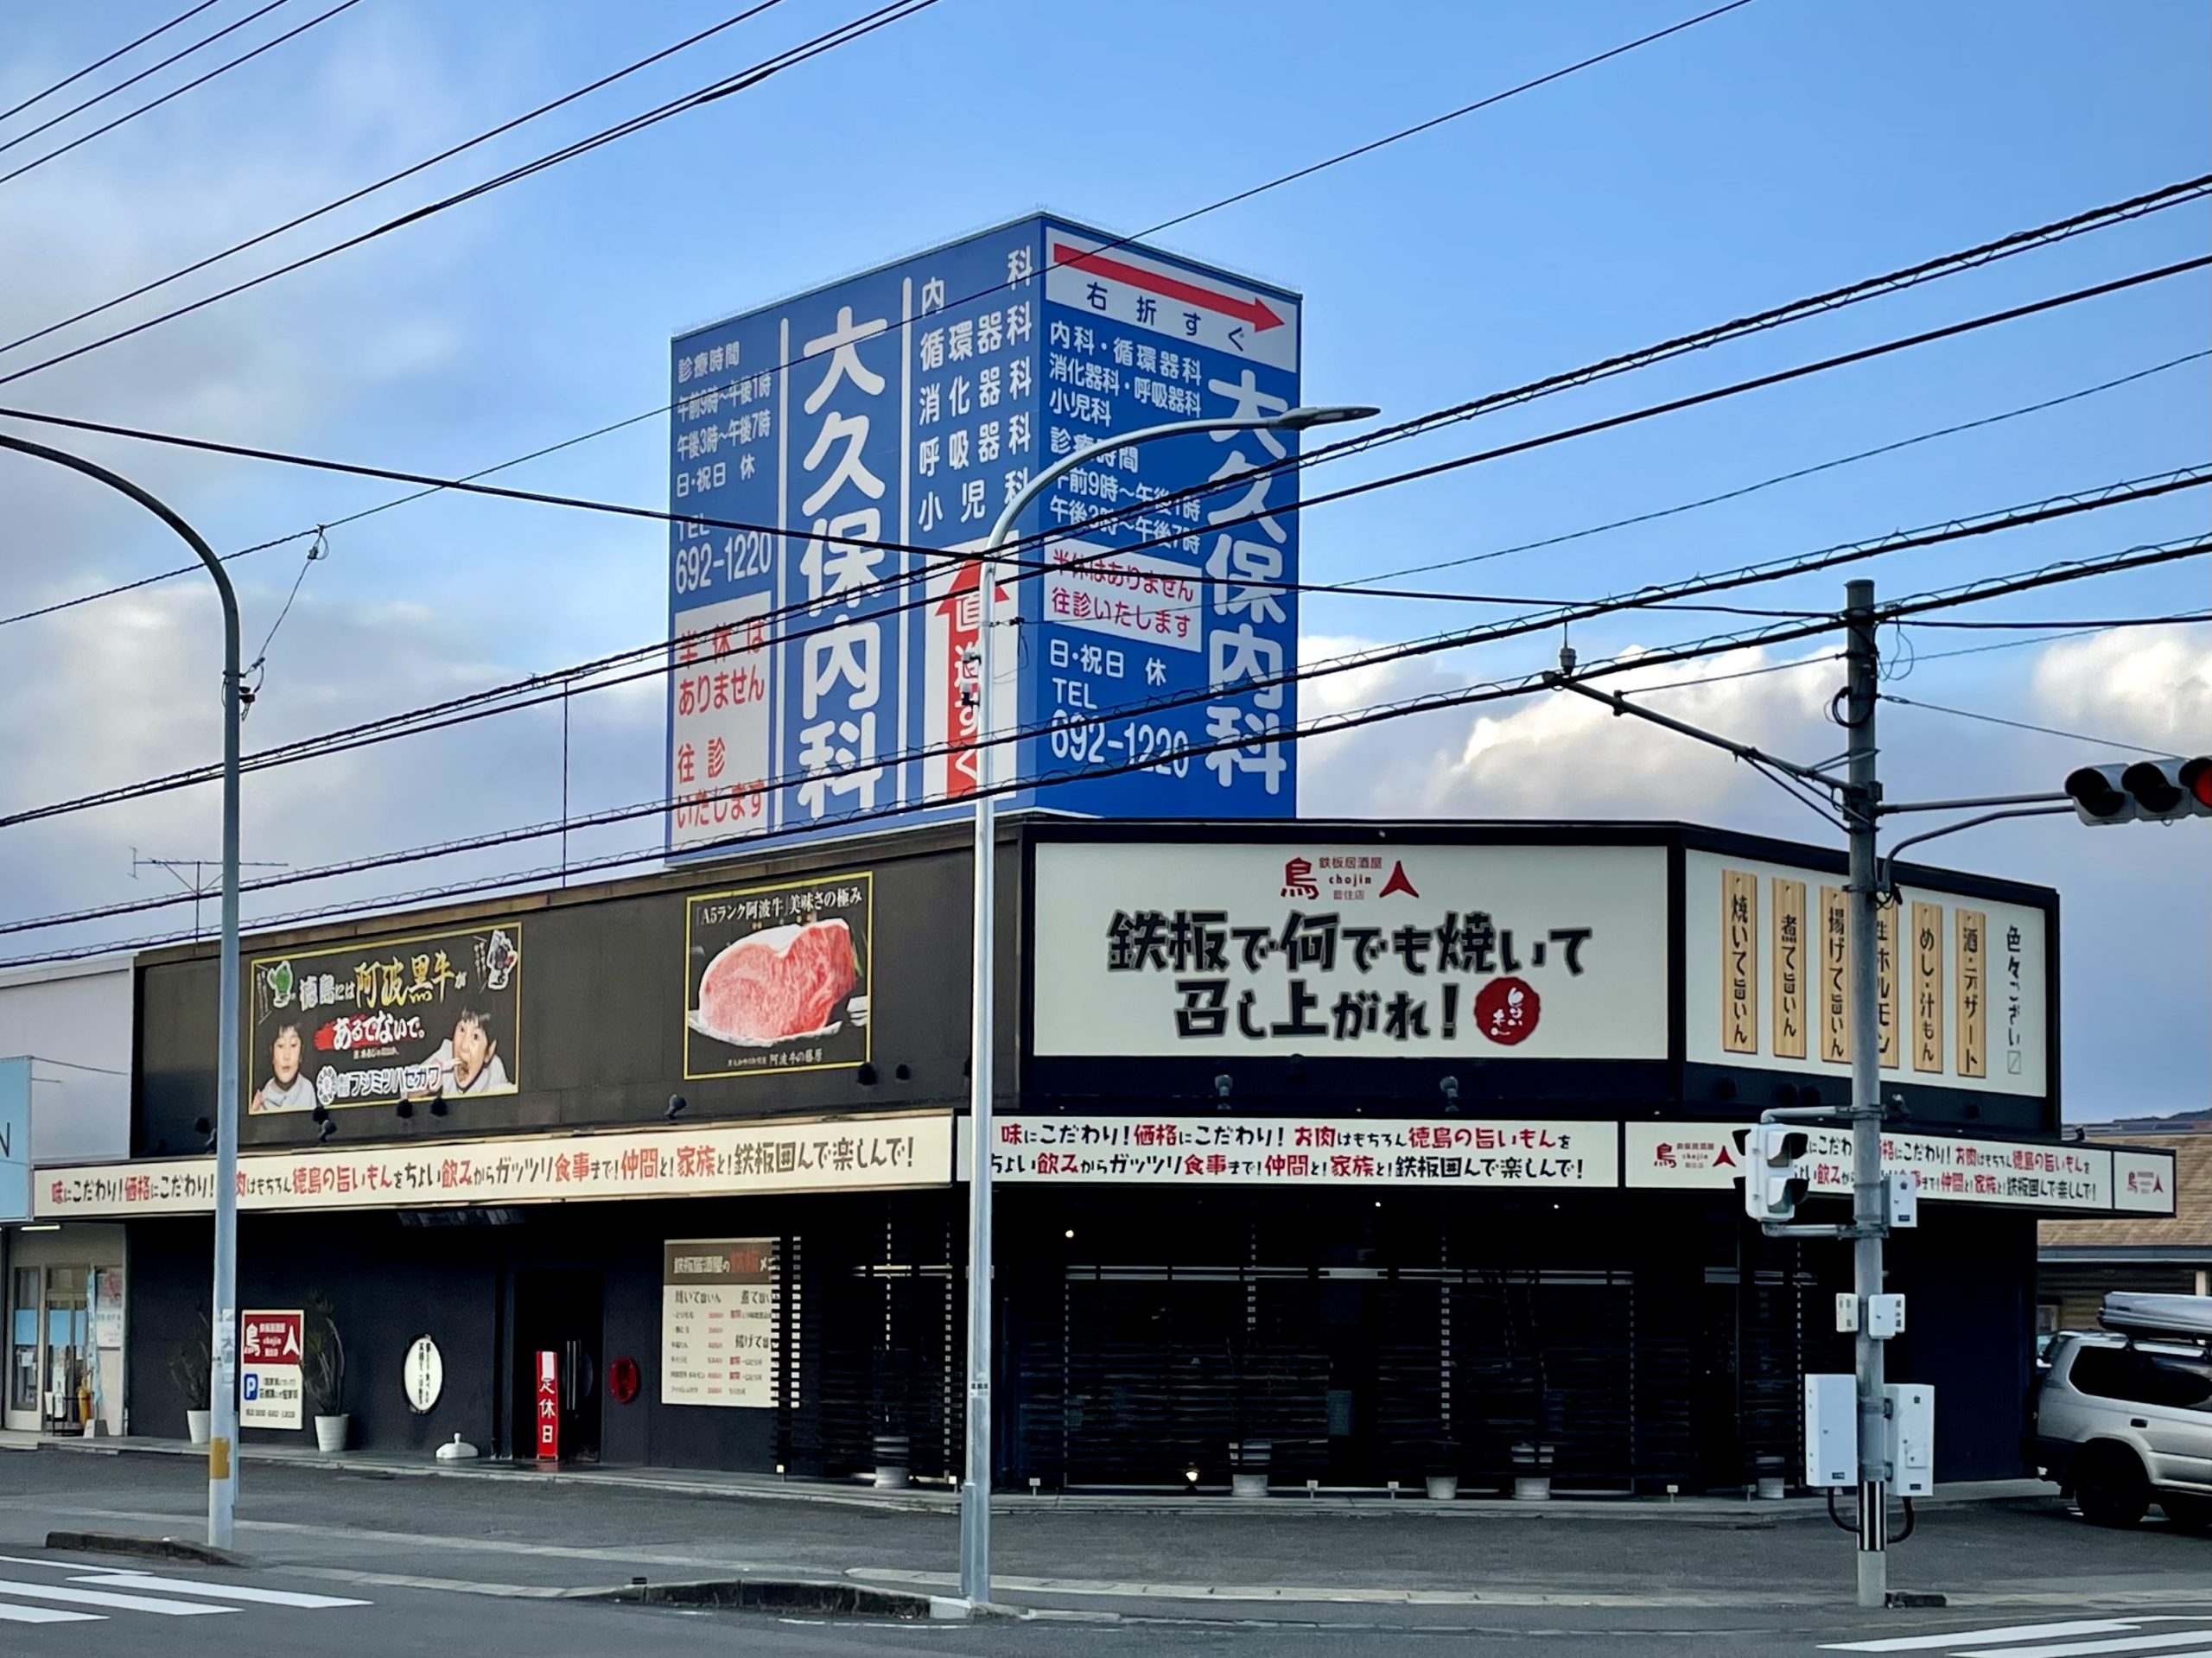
(2186,1316)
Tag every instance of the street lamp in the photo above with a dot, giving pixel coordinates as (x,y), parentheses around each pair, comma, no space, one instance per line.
(975,1486)
(222,1385)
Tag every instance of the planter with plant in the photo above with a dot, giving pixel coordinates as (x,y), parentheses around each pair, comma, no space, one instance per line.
(190,1365)
(323,1372)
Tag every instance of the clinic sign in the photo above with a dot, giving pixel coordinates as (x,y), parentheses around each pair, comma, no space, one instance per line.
(832,455)
(272,1349)
(1345,949)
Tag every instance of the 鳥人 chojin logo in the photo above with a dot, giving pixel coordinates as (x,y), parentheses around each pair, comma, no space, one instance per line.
(1297,880)
(1506,1011)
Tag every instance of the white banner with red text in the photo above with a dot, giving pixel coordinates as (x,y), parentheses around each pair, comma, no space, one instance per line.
(2068,1176)
(1493,1153)
(693,1161)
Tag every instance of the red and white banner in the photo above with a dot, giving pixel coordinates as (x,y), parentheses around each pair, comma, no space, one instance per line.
(2053,1175)
(1310,1152)
(847,1154)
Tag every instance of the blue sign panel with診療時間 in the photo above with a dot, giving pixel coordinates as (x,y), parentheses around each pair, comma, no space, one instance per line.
(835,456)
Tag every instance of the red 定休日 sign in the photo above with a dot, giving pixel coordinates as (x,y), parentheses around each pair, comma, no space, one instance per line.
(548,1406)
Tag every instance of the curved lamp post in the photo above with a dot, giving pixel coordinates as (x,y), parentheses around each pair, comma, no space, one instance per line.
(976,1485)
(222,1382)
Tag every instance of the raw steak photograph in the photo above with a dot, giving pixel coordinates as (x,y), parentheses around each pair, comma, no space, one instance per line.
(784,981)
(779,978)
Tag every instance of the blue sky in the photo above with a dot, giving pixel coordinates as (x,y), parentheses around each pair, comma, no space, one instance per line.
(1781,149)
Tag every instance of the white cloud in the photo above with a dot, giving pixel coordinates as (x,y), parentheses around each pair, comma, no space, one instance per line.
(1555,754)
(2150,685)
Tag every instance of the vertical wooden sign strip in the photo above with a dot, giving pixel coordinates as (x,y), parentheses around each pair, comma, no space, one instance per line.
(1789,969)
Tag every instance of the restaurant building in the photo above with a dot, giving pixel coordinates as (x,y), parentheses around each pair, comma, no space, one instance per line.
(1348,1153)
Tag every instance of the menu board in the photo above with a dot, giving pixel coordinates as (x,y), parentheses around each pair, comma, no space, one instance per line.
(719,1305)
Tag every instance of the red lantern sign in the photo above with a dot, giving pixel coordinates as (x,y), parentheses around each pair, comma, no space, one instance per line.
(622,1379)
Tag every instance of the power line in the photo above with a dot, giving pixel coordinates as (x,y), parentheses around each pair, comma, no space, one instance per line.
(1972,593)
(102,63)
(347,199)
(2075,626)
(2017,241)
(896,11)
(1360,582)
(465,710)
(445,716)
(2023,725)
(178,91)
(1039,567)
(123,85)
(2015,644)
(653,116)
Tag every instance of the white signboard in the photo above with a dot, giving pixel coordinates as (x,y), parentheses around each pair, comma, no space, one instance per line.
(422,1375)
(718,722)
(718,1322)
(2051,1175)
(1312,1152)
(270,1352)
(2143,1182)
(1961,984)
(703,1161)
(1371,951)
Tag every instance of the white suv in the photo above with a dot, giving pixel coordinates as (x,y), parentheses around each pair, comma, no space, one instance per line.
(2122,1422)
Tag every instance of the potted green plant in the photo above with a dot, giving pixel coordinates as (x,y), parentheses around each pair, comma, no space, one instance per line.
(190,1365)
(323,1372)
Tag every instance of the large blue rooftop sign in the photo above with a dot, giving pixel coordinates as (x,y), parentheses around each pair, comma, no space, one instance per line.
(867,433)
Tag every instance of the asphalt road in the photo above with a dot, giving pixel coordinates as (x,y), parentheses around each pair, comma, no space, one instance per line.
(345,1563)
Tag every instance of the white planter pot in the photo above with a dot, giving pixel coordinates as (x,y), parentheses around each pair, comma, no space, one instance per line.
(1443,1488)
(330,1433)
(1254,1483)
(1770,1487)
(1532,1488)
(197,1425)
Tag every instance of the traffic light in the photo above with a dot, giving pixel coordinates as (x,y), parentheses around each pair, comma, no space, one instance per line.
(1772,1186)
(2151,792)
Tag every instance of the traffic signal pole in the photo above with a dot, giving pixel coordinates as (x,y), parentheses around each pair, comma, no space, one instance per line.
(2142,790)
(1861,803)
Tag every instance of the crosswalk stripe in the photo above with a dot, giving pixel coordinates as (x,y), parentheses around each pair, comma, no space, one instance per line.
(218,1591)
(45,1615)
(2007,1632)
(114,1603)
(2091,1648)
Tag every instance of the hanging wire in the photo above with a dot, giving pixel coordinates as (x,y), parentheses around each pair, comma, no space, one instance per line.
(318,549)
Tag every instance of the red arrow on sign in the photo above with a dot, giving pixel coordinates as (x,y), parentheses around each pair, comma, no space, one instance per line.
(1254,310)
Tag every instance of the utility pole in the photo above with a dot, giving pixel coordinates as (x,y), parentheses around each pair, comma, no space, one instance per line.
(223,1328)
(1862,798)
(975,1481)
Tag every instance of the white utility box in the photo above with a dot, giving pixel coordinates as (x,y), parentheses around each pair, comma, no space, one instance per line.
(1903,1198)
(1884,1316)
(1909,1429)
(1831,1430)
(1846,1313)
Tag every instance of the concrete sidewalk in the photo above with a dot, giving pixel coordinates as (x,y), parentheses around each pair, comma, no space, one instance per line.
(714,1483)
(518,1535)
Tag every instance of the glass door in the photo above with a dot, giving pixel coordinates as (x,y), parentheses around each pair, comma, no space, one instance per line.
(68,1348)
(23,1351)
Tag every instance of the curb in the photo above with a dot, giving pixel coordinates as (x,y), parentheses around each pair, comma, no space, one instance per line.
(785,1595)
(1707,1512)
(174,1549)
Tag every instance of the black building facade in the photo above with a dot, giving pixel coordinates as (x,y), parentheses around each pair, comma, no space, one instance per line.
(1396,1149)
